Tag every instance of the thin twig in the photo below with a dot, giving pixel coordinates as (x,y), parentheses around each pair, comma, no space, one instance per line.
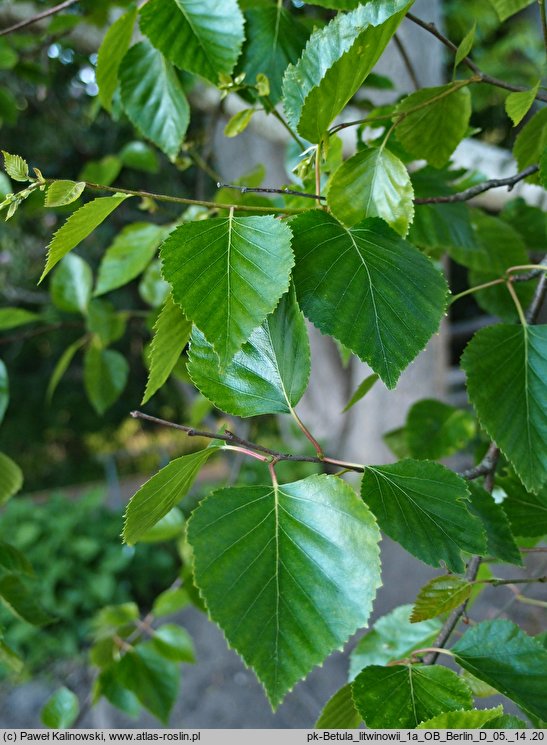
(407,62)
(233,439)
(484,467)
(522,581)
(484,77)
(534,309)
(473,191)
(184,200)
(269,190)
(37,17)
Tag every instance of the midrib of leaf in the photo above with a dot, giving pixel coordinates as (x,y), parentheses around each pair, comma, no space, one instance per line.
(373,300)
(409,497)
(412,697)
(229,264)
(526,398)
(277,586)
(276,362)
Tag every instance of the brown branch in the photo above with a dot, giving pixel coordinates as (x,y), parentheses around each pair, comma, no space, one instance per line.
(233,439)
(37,17)
(407,62)
(473,191)
(483,77)
(461,196)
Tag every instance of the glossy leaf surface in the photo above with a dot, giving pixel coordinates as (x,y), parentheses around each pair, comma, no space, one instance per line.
(105,376)
(227,274)
(268,375)
(509,660)
(424,507)
(297,566)
(153,98)
(372,183)
(334,64)
(368,288)
(511,408)
(440,595)
(403,696)
(201,36)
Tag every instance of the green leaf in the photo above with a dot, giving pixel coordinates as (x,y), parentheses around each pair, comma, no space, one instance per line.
(436,430)
(8,56)
(393,637)
(128,255)
(334,64)
(161,493)
(517,105)
(373,183)
(479,688)
(511,407)
(527,512)
(60,193)
(10,659)
(227,274)
(170,526)
(339,711)
(275,38)
(465,45)
(440,595)
(174,643)
(500,542)
(397,442)
(140,156)
(238,123)
(170,601)
(104,321)
(361,391)
(78,226)
(21,601)
(153,289)
(15,167)
(442,227)
(61,709)
(368,288)
(11,478)
(11,318)
(402,696)
(473,719)
(13,560)
(531,141)
(62,366)
(111,53)
(335,4)
(203,37)
(4,390)
(71,284)
(105,376)
(296,566)
(153,679)
(506,721)
(103,171)
(108,684)
(424,507)
(506,8)
(268,375)
(543,170)
(509,660)
(153,97)
(171,334)
(434,130)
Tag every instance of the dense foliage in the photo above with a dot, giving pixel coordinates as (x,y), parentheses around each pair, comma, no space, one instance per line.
(355,245)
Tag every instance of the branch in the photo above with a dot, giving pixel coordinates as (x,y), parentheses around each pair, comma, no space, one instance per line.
(521,581)
(461,196)
(233,439)
(184,200)
(269,190)
(483,77)
(407,62)
(473,191)
(37,17)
